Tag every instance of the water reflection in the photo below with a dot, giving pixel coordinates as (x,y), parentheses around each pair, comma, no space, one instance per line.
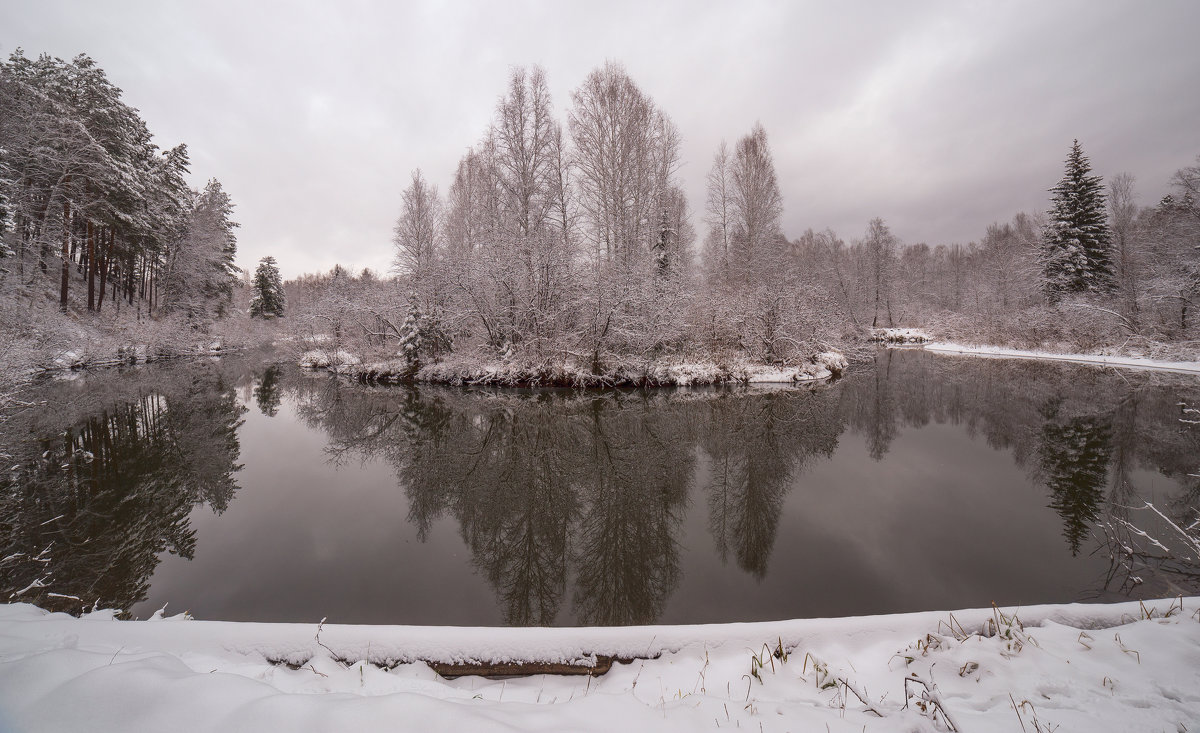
(755,447)
(267,393)
(583,507)
(108,481)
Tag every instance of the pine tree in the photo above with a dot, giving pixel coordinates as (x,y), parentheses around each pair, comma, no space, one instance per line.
(268,300)
(411,338)
(1077,245)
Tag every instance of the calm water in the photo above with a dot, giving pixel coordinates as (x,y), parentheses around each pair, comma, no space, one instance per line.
(244,490)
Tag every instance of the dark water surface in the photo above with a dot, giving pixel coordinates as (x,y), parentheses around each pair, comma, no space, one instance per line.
(244,490)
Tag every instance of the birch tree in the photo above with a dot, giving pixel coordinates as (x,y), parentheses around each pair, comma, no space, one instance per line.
(416,233)
(718,209)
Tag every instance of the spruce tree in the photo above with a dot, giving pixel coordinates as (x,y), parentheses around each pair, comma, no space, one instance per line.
(268,299)
(1077,245)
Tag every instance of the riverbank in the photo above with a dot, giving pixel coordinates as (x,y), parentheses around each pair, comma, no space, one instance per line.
(1104,360)
(74,342)
(464,370)
(1158,357)
(1127,666)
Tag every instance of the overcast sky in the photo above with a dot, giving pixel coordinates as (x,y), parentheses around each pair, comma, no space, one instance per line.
(938,117)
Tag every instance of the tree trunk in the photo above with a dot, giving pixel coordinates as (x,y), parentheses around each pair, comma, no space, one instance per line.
(91,274)
(66,256)
(105,266)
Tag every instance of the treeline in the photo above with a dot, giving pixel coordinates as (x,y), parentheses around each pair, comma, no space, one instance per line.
(90,204)
(1095,269)
(571,243)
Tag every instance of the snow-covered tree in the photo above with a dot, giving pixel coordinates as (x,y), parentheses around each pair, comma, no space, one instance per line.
(421,337)
(879,247)
(1076,244)
(718,209)
(416,232)
(410,339)
(1171,255)
(268,299)
(757,206)
(626,152)
(200,273)
(1123,208)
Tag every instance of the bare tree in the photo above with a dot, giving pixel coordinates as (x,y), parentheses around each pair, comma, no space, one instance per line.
(718,208)
(525,136)
(879,247)
(416,232)
(1122,207)
(757,206)
(612,124)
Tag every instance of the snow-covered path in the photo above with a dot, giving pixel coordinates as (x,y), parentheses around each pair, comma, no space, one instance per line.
(1080,667)
(1124,362)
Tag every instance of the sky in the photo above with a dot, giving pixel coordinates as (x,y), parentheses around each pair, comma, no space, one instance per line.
(939,117)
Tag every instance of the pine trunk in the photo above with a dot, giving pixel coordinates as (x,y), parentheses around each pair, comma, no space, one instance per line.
(66,255)
(91,275)
(105,265)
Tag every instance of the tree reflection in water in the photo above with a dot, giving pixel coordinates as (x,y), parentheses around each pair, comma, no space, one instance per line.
(89,504)
(571,504)
(756,447)
(1075,455)
(551,486)
(266,392)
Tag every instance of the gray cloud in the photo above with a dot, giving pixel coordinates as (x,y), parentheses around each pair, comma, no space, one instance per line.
(939,117)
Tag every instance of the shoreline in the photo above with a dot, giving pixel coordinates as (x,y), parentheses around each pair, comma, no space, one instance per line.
(295,644)
(1098,360)
(1124,666)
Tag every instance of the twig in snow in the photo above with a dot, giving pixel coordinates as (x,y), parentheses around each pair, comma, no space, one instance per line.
(930,700)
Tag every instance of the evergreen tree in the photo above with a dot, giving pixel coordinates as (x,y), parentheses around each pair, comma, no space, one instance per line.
(421,336)
(268,300)
(1077,246)
(411,339)
(200,273)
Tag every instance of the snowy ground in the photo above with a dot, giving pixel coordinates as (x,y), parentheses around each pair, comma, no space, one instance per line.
(1075,667)
(1127,362)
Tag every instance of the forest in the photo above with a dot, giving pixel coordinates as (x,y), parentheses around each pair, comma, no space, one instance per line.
(104,248)
(565,245)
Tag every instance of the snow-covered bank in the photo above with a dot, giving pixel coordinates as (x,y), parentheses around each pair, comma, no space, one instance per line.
(1081,667)
(468,371)
(89,345)
(1124,362)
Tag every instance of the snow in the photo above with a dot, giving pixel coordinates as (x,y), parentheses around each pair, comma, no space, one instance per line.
(68,360)
(1125,362)
(1075,667)
(335,360)
(899,335)
(823,366)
